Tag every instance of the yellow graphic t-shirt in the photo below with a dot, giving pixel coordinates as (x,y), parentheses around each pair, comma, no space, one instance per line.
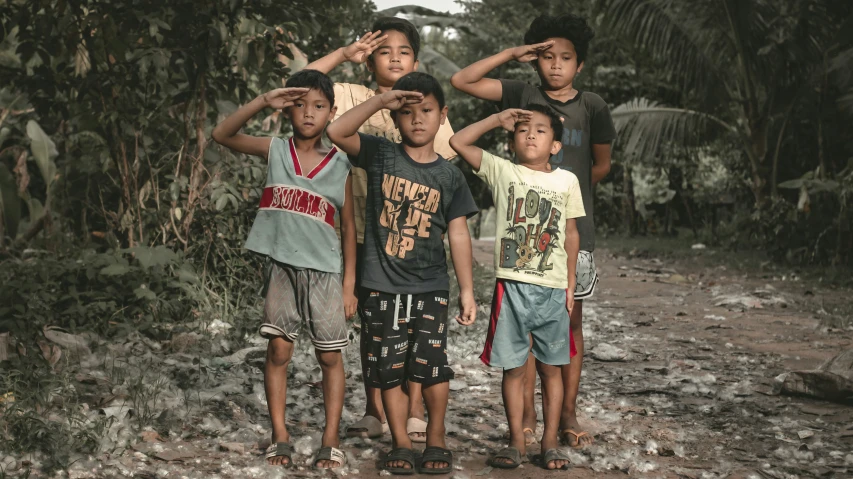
(531,209)
(350,95)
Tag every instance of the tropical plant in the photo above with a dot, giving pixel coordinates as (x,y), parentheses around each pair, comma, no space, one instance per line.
(742,64)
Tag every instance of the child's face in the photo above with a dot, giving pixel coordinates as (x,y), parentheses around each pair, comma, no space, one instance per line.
(558,65)
(393,59)
(419,123)
(533,141)
(310,114)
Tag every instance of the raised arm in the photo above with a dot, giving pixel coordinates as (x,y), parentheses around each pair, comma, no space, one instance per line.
(228,133)
(472,81)
(463,141)
(344,131)
(356,52)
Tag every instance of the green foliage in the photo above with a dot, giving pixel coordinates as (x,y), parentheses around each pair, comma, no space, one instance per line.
(110,293)
(42,411)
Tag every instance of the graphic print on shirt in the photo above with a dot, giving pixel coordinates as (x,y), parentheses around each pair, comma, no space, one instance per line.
(533,231)
(406,212)
(571,139)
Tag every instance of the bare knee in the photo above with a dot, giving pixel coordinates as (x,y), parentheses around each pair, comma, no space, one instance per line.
(548,372)
(329,359)
(279,352)
(515,373)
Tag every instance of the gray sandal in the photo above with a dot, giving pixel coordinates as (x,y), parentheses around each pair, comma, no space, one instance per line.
(281,449)
(511,453)
(400,454)
(555,455)
(329,453)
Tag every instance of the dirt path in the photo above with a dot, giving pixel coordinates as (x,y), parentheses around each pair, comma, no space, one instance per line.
(685,403)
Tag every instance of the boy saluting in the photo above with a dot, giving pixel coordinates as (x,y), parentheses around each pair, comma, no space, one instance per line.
(414,196)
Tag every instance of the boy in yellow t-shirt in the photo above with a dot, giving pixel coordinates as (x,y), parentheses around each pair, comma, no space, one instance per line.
(390,51)
(536,253)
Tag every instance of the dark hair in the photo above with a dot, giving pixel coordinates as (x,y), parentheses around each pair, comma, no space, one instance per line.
(571,27)
(403,26)
(423,83)
(556,123)
(314,80)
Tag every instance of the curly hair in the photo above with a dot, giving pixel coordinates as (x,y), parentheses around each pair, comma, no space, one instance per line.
(571,27)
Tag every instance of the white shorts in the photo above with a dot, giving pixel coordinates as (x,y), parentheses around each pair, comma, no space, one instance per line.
(585,275)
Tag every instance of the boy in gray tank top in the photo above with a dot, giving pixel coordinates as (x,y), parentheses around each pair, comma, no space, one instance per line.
(307,186)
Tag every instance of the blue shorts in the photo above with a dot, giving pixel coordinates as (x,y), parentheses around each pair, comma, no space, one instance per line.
(521,311)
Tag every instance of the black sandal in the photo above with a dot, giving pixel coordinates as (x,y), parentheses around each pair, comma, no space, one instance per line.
(330,453)
(281,449)
(436,454)
(511,453)
(400,454)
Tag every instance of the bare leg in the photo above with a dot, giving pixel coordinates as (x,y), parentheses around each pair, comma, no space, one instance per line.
(416,405)
(571,381)
(396,403)
(279,353)
(513,396)
(436,396)
(334,380)
(552,399)
(528,421)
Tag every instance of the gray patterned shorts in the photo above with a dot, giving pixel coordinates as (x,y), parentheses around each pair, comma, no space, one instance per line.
(585,275)
(304,296)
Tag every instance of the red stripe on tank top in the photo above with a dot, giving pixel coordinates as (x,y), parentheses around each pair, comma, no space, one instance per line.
(299,201)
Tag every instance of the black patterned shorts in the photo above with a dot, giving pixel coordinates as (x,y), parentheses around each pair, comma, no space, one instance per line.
(416,350)
(297,297)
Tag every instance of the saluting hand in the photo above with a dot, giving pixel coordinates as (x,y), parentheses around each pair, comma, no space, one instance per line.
(528,53)
(396,99)
(281,98)
(359,50)
(509,117)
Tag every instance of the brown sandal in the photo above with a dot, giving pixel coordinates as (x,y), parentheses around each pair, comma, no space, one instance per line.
(577,443)
(529,437)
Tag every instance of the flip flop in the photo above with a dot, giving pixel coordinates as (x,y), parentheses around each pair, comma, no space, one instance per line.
(416,426)
(281,449)
(400,454)
(436,454)
(368,427)
(329,453)
(511,453)
(564,435)
(555,455)
(529,439)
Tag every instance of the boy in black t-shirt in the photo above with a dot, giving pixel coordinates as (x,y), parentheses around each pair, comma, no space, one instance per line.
(414,196)
(557,48)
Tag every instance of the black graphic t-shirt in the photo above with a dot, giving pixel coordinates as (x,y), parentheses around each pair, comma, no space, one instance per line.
(586,122)
(409,206)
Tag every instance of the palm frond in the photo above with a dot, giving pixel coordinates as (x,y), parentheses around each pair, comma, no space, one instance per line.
(643,125)
(688,38)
